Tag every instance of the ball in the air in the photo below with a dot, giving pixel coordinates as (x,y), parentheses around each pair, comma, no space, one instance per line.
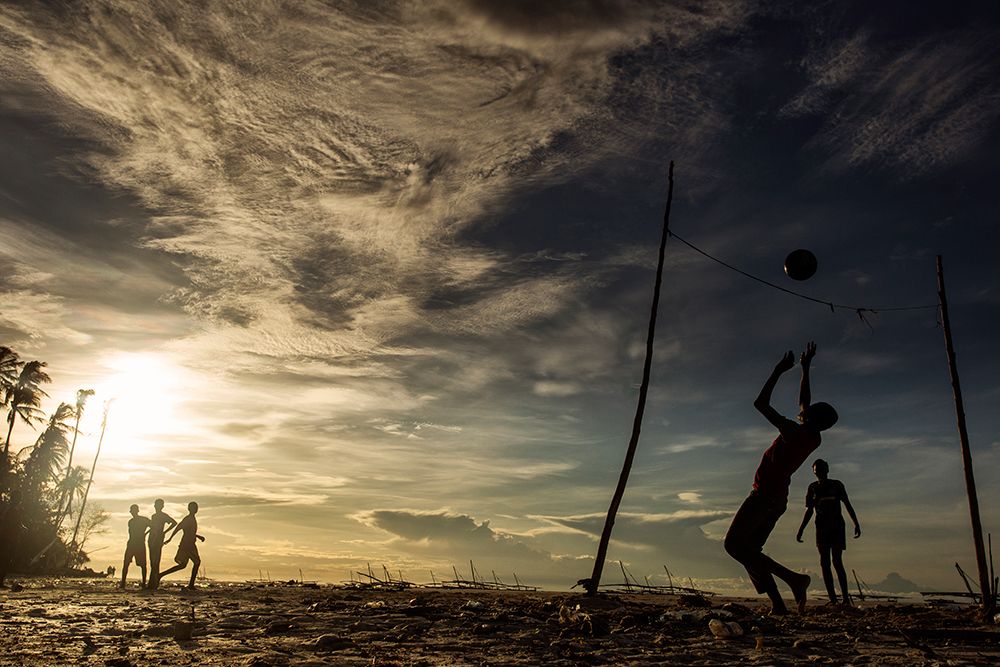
(800,264)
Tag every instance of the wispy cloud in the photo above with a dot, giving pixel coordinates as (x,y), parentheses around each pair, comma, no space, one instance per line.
(915,108)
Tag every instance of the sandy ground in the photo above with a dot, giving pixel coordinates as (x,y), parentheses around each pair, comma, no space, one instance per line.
(64,622)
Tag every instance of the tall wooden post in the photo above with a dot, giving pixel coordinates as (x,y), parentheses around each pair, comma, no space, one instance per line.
(90,480)
(591,585)
(963,436)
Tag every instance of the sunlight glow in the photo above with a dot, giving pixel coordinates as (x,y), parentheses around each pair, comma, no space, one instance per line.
(144,391)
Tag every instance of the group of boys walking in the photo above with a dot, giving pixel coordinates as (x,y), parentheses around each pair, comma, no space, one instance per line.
(154,530)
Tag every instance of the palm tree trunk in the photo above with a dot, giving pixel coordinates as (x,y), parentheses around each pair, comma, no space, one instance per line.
(90,479)
(591,584)
(5,464)
(6,445)
(69,464)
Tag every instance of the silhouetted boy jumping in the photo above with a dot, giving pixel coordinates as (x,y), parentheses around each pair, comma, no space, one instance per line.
(760,512)
(187,550)
(136,547)
(824,496)
(158,525)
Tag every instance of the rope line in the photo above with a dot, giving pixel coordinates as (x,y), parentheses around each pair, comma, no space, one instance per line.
(860,310)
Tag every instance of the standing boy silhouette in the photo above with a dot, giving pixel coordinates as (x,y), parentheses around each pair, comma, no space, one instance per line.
(136,547)
(158,526)
(824,496)
(187,550)
(760,512)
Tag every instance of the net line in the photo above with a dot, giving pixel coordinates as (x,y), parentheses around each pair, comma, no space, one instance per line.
(832,305)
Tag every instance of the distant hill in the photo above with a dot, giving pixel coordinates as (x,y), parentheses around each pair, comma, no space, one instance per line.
(895,583)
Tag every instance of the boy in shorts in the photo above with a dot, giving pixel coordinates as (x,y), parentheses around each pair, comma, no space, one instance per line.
(160,523)
(136,547)
(824,496)
(187,550)
(760,512)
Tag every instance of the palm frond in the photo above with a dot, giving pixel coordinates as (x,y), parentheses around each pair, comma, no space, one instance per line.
(9,366)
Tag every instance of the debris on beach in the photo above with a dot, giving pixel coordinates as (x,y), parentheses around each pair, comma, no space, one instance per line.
(71,622)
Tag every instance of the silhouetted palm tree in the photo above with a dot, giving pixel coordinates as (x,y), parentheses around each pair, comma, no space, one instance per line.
(9,365)
(81,400)
(90,480)
(25,398)
(46,457)
(73,485)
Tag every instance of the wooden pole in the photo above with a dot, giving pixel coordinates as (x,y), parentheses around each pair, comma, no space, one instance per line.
(963,437)
(591,585)
(965,580)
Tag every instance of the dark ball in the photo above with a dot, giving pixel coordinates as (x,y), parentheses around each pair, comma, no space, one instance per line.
(800,264)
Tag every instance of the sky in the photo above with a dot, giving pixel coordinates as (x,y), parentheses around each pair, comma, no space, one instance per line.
(370,281)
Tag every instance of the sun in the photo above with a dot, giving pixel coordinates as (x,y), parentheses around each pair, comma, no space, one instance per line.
(141,392)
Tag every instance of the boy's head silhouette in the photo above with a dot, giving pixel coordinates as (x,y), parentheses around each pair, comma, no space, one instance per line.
(134,509)
(819,416)
(158,504)
(193,507)
(821,468)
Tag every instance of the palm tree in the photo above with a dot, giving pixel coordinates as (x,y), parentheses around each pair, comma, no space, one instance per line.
(25,397)
(46,456)
(73,485)
(9,365)
(81,400)
(90,480)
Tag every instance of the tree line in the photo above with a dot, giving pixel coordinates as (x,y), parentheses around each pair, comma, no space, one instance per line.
(45,521)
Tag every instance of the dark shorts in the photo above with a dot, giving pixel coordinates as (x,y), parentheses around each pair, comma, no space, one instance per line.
(831,535)
(186,552)
(136,552)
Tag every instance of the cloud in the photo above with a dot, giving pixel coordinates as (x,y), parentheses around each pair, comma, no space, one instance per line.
(449,534)
(547,388)
(915,108)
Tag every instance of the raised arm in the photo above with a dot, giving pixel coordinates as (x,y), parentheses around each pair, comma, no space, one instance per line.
(763,400)
(805,395)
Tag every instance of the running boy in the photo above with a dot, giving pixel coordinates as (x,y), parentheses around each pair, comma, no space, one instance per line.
(187,550)
(760,512)
(136,547)
(824,496)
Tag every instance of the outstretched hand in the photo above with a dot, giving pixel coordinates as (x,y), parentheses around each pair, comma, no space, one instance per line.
(808,355)
(200,538)
(786,364)
(857,531)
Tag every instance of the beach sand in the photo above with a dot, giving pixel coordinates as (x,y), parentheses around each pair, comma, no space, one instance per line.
(90,622)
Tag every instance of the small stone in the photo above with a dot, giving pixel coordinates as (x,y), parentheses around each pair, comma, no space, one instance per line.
(331,643)
(277,627)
